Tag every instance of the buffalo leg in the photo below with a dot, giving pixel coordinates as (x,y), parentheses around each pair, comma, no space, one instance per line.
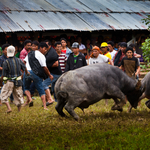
(116,102)
(70,108)
(129,109)
(59,107)
(115,92)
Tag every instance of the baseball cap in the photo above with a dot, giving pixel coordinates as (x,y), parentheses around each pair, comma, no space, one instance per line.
(104,44)
(75,45)
(10,51)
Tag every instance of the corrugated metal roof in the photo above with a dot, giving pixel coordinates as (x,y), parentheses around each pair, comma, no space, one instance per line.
(142,6)
(45,5)
(94,6)
(93,21)
(41,21)
(59,19)
(2,6)
(6,24)
(79,24)
(76,5)
(132,21)
(112,22)
(32,21)
(125,21)
(10,5)
(110,5)
(139,17)
(78,15)
(59,4)
(27,5)
(125,6)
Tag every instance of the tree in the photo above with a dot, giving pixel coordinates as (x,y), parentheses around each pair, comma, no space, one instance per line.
(146,45)
(147,21)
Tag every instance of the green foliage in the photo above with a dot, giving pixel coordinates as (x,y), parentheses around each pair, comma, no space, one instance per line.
(146,50)
(143,66)
(99,128)
(147,21)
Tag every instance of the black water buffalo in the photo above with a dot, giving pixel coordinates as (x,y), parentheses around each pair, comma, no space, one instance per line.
(87,85)
(145,82)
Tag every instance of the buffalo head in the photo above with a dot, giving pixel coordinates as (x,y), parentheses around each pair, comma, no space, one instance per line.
(134,95)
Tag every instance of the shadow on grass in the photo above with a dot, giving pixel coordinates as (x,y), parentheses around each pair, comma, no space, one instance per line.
(98,128)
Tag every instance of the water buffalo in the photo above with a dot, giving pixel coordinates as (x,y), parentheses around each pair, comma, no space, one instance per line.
(145,82)
(87,85)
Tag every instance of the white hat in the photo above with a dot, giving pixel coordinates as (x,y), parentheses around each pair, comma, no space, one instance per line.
(10,51)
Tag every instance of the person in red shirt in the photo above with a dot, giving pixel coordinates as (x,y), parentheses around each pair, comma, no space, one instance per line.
(65,49)
(23,54)
(26,49)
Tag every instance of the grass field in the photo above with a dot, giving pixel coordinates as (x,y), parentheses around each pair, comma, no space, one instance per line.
(99,128)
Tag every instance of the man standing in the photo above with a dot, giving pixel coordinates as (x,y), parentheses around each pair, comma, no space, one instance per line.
(36,65)
(65,49)
(82,47)
(105,50)
(3,58)
(54,67)
(130,64)
(96,57)
(26,49)
(11,74)
(120,54)
(111,49)
(76,59)
(62,56)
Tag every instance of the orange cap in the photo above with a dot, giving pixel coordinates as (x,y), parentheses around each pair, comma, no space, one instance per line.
(96,48)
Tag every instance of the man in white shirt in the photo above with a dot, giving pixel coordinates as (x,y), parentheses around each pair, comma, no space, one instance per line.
(111,49)
(82,47)
(96,57)
(36,65)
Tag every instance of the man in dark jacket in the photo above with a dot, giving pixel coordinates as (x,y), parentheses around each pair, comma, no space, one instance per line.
(75,59)
(11,74)
(54,68)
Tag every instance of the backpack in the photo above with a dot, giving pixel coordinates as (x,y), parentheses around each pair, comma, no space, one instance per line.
(35,65)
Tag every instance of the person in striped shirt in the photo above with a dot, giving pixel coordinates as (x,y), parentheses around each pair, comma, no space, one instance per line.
(62,56)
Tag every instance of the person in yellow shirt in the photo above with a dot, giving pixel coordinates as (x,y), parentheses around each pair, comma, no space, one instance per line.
(105,50)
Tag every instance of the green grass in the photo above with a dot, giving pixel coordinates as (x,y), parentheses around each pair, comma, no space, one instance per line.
(99,128)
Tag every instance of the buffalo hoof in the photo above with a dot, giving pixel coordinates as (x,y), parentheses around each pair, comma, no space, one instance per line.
(121,109)
(147,103)
(116,107)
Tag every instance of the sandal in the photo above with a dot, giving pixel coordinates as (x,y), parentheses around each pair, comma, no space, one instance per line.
(31,104)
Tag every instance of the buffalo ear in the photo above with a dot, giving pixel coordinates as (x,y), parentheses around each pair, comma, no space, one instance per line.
(138,85)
